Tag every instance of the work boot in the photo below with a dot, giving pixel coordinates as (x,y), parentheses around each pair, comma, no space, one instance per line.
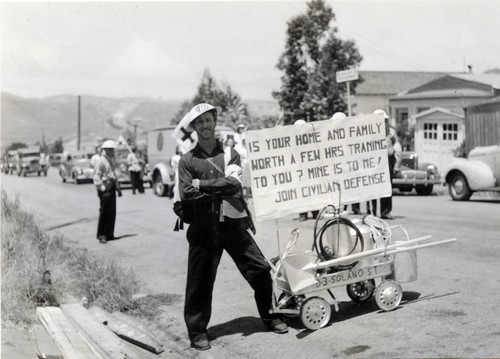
(200,341)
(102,239)
(276,325)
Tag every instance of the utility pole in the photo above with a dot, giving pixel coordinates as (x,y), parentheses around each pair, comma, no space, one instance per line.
(78,135)
(347,76)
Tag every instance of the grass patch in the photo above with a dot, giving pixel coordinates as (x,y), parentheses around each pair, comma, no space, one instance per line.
(40,268)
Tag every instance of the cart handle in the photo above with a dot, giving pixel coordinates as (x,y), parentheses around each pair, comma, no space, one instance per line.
(367,253)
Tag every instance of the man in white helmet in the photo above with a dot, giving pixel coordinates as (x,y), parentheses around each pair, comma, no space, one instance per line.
(107,187)
(216,227)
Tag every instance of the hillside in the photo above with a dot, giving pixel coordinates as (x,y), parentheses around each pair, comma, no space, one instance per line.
(31,120)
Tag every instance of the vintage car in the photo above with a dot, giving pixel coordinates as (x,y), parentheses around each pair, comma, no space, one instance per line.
(28,161)
(55,159)
(77,168)
(412,175)
(122,172)
(479,172)
(10,162)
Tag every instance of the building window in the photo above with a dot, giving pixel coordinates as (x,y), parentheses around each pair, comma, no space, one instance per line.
(401,116)
(450,131)
(430,131)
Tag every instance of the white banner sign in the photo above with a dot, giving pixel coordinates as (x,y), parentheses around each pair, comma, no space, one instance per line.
(305,167)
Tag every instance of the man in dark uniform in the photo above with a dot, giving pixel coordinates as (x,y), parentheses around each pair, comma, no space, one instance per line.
(220,223)
(394,158)
(107,187)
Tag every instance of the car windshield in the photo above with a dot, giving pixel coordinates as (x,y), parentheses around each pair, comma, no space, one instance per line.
(30,154)
(82,162)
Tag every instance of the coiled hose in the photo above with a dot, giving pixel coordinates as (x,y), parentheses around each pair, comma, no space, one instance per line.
(326,253)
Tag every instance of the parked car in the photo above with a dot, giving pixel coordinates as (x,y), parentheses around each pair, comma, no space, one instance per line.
(479,172)
(412,175)
(77,168)
(10,162)
(55,159)
(122,172)
(28,161)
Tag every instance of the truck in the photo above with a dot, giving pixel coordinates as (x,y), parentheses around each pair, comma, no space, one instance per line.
(28,161)
(10,162)
(161,147)
(480,171)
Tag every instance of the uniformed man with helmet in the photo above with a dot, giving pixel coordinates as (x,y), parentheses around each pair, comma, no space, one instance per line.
(107,187)
(220,223)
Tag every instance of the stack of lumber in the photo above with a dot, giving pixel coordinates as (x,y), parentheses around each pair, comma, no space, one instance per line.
(73,332)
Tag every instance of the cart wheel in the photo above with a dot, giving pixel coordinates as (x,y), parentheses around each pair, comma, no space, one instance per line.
(388,295)
(361,291)
(315,313)
(293,303)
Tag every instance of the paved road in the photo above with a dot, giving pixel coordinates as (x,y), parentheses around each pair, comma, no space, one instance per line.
(450,311)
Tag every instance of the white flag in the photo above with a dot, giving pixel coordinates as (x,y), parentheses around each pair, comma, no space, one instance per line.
(123,142)
(184,135)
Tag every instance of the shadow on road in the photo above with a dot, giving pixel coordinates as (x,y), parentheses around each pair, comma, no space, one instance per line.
(350,309)
(245,326)
(123,236)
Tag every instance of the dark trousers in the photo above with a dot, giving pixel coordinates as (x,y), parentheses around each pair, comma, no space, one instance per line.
(386,202)
(136,181)
(206,244)
(107,213)
(373,209)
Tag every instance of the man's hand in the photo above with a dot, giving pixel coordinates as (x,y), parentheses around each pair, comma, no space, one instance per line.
(196,183)
(119,191)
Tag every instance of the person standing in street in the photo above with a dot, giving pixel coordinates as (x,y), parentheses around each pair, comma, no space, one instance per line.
(220,222)
(95,157)
(107,187)
(134,168)
(394,157)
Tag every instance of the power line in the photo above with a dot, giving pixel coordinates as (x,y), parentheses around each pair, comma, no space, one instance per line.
(391,54)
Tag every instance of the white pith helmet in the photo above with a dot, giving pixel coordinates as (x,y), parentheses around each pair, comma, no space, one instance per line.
(381,112)
(109,144)
(199,110)
(338,116)
(299,122)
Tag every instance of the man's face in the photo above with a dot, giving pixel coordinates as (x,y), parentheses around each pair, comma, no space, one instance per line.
(204,125)
(110,152)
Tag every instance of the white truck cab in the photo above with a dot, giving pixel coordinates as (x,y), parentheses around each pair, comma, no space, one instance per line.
(161,148)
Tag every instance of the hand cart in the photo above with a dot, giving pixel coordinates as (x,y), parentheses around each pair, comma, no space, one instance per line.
(361,254)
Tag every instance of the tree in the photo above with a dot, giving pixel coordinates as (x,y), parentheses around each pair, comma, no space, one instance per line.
(57,146)
(312,56)
(234,111)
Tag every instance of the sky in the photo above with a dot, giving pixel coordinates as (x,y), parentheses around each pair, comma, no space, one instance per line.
(161,49)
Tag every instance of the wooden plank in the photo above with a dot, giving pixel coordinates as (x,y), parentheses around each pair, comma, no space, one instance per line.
(46,347)
(129,329)
(72,333)
(55,330)
(129,332)
(132,321)
(103,338)
(100,314)
(105,341)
